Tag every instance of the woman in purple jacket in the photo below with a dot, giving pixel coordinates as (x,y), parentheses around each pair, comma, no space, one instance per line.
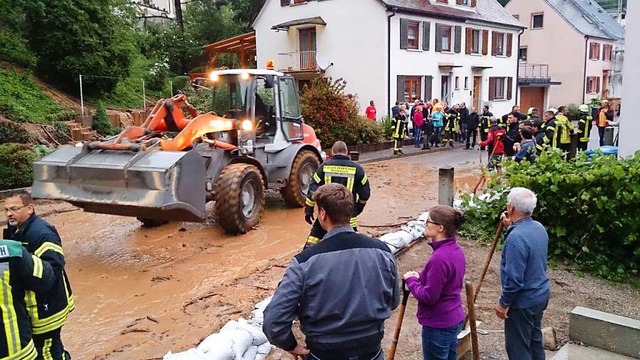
(439,285)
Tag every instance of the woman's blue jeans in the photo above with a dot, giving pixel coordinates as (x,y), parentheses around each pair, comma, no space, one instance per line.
(440,344)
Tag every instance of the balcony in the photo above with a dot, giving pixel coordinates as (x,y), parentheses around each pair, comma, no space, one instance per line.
(298,62)
(534,75)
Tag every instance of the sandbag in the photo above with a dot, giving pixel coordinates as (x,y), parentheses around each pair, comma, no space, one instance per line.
(257,315)
(217,347)
(263,351)
(251,353)
(191,354)
(242,340)
(256,332)
(398,239)
(423,217)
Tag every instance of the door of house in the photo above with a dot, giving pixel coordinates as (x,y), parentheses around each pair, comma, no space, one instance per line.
(532,97)
(477,81)
(445,86)
(308,49)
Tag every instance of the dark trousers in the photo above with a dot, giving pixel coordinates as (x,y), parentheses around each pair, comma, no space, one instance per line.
(483,136)
(373,356)
(523,333)
(601,134)
(582,145)
(49,346)
(471,133)
(317,233)
(440,344)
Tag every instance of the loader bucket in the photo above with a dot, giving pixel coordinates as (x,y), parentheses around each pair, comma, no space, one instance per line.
(151,184)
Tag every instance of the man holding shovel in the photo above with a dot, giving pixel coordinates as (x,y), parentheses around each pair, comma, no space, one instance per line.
(525,283)
(342,289)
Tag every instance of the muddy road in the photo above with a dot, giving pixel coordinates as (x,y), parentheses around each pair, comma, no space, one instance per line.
(142,292)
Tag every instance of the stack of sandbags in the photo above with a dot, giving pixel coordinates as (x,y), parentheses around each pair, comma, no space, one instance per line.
(411,231)
(237,340)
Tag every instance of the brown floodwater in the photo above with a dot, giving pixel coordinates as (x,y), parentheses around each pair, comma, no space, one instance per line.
(143,292)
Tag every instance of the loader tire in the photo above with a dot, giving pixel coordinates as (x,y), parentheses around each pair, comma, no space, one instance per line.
(151,223)
(239,198)
(304,166)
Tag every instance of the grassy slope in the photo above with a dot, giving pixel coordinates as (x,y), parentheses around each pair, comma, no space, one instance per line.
(22,99)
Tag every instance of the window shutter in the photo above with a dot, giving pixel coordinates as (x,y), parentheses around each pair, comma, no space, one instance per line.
(597,84)
(485,42)
(285,2)
(509,88)
(509,44)
(494,43)
(428,87)
(400,88)
(468,40)
(426,35)
(598,57)
(438,37)
(404,33)
(459,2)
(492,88)
(473,3)
(457,47)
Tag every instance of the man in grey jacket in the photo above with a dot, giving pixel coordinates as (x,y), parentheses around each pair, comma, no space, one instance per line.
(342,290)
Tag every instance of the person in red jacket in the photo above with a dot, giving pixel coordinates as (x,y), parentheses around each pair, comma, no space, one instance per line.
(371,111)
(495,145)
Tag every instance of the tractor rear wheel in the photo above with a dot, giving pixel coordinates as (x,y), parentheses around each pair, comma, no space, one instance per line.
(304,166)
(239,198)
(151,223)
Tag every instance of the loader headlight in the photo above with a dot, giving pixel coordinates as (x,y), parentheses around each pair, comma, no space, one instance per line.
(213,76)
(244,75)
(246,125)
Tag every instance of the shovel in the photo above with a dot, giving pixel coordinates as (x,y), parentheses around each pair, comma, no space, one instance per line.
(396,334)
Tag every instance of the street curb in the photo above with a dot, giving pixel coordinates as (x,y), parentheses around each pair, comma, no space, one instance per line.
(411,154)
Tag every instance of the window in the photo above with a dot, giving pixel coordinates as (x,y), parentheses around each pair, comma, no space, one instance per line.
(446,38)
(443,1)
(463,2)
(537,21)
(522,54)
(607,52)
(457,83)
(593,84)
(413,35)
(412,87)
(594,51)
(476,41)
(498,43)
(466,82)
(292,119)
(500,87)
(517,17)
(299,1)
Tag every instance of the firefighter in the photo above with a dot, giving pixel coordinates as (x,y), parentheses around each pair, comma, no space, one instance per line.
(585,124)
(22,272)
(485,124)
(49,310)
(550,138)
(339,169)
(495,145)
(399,125)
(450,116)
(564,128)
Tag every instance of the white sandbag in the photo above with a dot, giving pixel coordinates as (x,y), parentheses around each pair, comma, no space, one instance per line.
(257,315)
(256,332)
(217,347)
(398,239)
(191,354)
(242,340)
(415,229)
(392,248)
(229,326)
(263,351)
(423,217)
(251,353)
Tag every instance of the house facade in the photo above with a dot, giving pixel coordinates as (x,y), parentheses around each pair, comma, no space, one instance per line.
(397,50)
(571,43)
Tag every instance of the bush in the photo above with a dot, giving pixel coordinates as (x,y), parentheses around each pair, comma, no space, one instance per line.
(387,126)
(355,132)
(101,122)
(590,207)
(11,132)
(15,50)
(574,112)
(16,165)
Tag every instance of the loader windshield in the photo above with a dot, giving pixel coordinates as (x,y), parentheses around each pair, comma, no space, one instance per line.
(230,93)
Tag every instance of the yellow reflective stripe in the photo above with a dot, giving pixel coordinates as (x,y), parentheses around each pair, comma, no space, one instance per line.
(312,240)
(27,353)
(70,300)
(362,201)
(365,179)
(38,268)
(52,322)
(310,202)
(46,349)
(350,182)
(353,222)
(316,177)
(48,246)
(339,169)
(32,307)
(9,318)
(327,179)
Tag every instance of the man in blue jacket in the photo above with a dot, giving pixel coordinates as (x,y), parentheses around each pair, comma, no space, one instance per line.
(342,289)
(525,283)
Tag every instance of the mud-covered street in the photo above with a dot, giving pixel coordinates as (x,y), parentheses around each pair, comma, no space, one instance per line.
(143,292)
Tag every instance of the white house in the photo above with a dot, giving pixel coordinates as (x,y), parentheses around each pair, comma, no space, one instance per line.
(397,50)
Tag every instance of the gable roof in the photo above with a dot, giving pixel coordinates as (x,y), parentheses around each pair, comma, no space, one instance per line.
(489,11)
(588,18)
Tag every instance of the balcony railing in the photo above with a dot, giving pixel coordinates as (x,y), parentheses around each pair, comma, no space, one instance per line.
(534,71)
(297,61)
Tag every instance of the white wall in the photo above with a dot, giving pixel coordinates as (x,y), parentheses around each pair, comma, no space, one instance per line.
(353,39)
(629,124)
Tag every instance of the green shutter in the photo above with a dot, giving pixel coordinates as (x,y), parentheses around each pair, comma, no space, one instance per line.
(438,37)
(404,33)
(457,47)
(426,35)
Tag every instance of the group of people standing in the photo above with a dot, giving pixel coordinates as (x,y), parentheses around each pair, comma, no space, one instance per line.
(344,285)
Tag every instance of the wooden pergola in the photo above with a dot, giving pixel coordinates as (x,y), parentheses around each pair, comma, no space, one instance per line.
(244,46)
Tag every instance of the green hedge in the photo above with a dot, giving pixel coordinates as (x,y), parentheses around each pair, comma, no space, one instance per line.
(590,207)
(16,165)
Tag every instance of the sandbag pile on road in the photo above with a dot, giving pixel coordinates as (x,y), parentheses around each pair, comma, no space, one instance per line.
(237,340)
(411,231)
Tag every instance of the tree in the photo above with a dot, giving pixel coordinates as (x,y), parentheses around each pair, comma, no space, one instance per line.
(94,38)
(179,18)
(101,122)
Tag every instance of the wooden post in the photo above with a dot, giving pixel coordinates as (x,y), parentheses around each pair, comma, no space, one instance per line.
(445,186)
(471,311)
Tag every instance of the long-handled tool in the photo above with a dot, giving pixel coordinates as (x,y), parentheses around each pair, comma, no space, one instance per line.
(396,334)
(472,319)
(492,250)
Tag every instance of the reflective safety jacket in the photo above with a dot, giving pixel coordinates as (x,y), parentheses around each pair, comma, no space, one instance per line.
(485,122)
(450,120)
(564,127)
(399,125)
(340,169)
(48,311)
(550,137)
(584,127)
(21,272)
